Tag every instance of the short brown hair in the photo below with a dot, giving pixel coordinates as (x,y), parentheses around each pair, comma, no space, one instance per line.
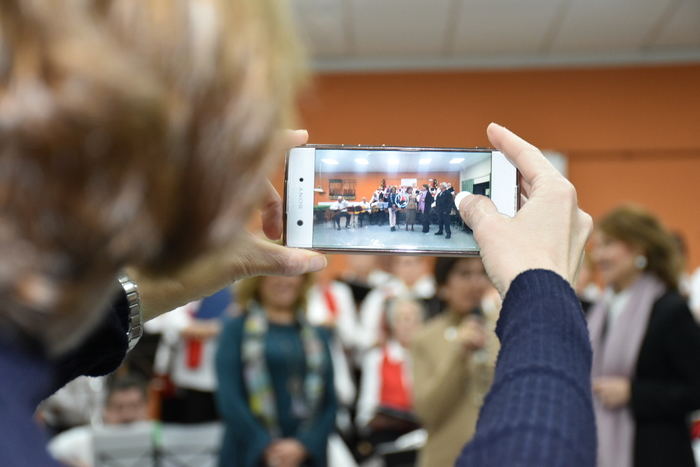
(639,228)
(127,128)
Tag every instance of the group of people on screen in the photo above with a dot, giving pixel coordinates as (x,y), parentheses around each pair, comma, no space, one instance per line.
(400,206)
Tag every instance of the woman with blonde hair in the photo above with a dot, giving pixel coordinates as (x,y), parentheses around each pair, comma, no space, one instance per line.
(126,127)
(646,345)
(275,378)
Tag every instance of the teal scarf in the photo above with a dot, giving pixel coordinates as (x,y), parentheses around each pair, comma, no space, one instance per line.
(261,397)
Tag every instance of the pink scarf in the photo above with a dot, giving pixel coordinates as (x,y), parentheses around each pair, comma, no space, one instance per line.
(616,355)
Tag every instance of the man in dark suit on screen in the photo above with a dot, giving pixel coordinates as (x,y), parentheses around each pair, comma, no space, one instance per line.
(424,204)
(444,201)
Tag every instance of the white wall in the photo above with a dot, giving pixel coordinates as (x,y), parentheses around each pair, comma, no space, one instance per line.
(480,172)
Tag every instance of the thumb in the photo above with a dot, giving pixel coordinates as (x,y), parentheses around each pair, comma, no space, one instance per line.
(474,208)
(273,259)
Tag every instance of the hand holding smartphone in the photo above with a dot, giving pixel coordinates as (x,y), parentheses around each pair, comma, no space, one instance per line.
(390,200)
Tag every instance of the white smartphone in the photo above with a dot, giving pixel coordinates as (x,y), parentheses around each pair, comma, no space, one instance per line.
(390,200)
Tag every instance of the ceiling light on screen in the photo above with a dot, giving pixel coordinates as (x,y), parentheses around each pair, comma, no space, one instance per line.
(361,161)
(457,160)
(329,161)
(393,162)
(424,161)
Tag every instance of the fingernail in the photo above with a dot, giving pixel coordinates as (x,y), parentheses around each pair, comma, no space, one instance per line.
(460,196)
(301,132)
(317,263)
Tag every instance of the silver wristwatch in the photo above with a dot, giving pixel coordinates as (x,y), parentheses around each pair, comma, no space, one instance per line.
(135,311)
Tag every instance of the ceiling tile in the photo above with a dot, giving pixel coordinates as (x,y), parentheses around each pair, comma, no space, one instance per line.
(608,25)
(321,24)
(503,26)
(340,160)
(399,27)
(683,28)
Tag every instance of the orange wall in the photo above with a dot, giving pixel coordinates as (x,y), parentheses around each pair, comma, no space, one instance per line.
(367,183)
(631,134)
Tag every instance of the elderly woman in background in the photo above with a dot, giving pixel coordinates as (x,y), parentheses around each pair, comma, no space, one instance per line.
(453,359)
(126,128)
(385,405)
(275,392)
(409,277)
(646,346)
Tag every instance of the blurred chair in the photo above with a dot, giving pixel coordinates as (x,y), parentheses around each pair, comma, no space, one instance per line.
(149,444)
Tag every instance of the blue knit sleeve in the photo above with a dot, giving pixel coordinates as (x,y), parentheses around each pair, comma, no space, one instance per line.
(539,410)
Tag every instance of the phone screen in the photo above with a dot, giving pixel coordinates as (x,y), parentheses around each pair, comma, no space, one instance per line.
(386,200)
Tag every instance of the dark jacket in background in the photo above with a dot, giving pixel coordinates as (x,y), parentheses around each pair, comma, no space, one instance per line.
(666,385)
(428,202)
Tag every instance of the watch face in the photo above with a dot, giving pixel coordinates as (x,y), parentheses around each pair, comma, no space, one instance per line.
(133,301)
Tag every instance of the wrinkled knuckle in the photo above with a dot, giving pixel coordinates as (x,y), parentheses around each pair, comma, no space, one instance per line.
(467,208)
(566,188)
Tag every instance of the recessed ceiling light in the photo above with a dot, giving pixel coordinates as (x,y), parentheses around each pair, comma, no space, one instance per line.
(330,161)
(361,161)
(457,160)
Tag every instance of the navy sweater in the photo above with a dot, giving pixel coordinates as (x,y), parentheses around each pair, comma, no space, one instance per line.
(539,411)
(27,377)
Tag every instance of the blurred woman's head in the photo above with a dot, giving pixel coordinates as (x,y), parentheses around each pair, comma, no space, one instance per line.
(405,317)
(461,283)
(360,265)
(127,128)
(409,269)
(629,241)
(275,292)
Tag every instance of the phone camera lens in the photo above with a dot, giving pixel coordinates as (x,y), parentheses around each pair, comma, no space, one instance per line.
(301,179)
(300,223)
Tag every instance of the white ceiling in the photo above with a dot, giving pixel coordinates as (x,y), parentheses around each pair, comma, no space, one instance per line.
(423,162)
(419,34)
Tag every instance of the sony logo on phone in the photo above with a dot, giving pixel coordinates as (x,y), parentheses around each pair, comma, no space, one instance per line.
(300,198)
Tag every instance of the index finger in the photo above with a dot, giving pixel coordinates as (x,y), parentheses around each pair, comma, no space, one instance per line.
(526,157)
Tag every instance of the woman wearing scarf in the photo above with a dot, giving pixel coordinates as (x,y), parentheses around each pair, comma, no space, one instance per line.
(275,376)
(646,346)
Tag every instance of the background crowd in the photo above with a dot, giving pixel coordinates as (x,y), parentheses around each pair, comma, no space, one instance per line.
(388,363)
